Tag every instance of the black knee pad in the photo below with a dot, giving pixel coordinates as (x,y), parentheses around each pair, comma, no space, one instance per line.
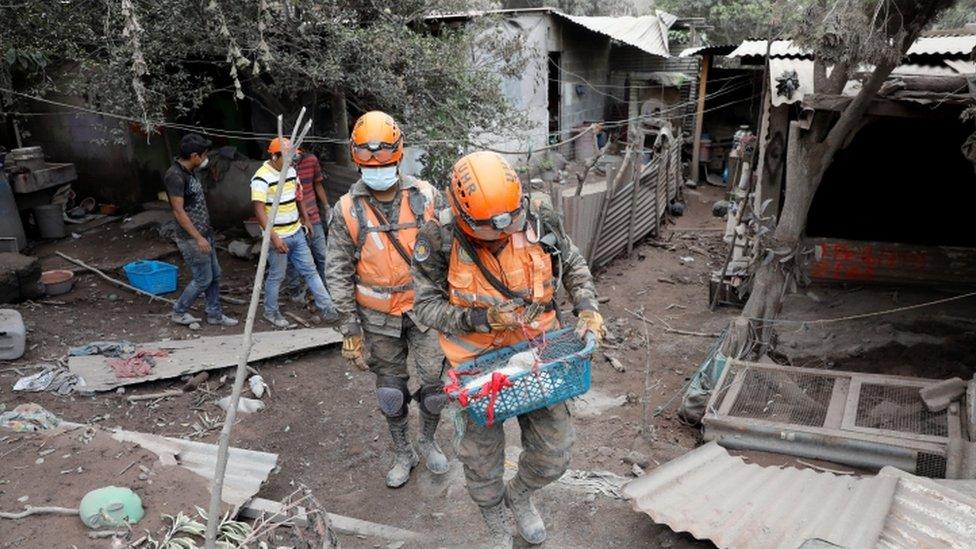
(431,398)
(393,396)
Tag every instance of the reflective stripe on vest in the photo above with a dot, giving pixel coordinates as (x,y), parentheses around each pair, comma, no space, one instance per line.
(383,281)
(524,267)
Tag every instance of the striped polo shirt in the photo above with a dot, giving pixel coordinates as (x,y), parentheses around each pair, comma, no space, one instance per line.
(264,185)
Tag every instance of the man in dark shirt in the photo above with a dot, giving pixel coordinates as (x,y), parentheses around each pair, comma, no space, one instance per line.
(194,237)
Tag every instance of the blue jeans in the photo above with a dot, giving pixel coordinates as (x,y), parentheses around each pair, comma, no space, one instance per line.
(206,278)
(298,256)
(293,281)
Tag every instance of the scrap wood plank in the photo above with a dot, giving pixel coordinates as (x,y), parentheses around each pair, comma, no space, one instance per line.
(190,356)
(341,524)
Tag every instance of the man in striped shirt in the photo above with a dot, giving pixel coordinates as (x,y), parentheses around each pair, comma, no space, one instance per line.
(288,230)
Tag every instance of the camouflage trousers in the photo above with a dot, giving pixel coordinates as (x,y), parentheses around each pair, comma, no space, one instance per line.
(394,356)
(547,442)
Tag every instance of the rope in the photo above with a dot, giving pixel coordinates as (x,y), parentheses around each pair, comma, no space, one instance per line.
(864,315)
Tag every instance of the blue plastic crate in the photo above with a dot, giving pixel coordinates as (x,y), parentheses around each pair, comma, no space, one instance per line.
(564,373)
(155,277)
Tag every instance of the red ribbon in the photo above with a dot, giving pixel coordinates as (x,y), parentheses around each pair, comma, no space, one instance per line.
(499,381)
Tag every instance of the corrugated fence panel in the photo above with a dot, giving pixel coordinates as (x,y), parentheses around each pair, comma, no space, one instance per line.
(658,186)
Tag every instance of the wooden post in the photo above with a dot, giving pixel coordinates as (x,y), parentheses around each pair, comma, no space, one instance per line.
(699,114)
(635,132)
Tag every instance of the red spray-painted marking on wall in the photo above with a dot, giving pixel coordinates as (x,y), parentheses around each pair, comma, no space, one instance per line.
(865,261)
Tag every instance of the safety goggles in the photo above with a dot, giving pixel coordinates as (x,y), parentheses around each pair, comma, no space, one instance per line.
(497,226)
(381,152)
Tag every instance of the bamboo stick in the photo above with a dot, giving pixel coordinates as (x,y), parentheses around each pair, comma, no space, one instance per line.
(213,514)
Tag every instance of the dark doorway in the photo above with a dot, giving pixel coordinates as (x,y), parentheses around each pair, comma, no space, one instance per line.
(900,180)
(554,93)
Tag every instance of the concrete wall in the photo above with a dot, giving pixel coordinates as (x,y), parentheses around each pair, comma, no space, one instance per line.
(528,91)
(115,162)
(585,59)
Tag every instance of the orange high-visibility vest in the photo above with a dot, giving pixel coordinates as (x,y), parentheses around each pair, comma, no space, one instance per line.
(383,281)
(524,267)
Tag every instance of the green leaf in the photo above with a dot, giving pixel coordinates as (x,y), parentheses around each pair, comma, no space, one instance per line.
(10,56)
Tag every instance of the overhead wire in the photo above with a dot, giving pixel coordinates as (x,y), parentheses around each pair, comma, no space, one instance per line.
(257,136)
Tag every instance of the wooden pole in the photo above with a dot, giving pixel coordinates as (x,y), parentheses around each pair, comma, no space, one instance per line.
(636,133)
(223,450)
(699,114)
(117,282)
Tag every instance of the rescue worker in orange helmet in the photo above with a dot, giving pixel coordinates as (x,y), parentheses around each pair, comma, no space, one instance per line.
(371,239)
(486,273)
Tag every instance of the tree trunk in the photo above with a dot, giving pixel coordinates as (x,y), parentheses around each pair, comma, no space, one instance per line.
(340,119)
(805,167)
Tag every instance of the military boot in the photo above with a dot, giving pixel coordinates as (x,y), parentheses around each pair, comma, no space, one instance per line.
(518,498)
(435,458)
(405,457)
(497,520)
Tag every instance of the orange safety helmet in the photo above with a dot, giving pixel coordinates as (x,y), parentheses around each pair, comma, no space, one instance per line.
(486,196)
(376,140)
(278,145)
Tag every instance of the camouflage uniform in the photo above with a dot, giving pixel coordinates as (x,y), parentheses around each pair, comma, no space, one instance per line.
(390,341)
(547,434)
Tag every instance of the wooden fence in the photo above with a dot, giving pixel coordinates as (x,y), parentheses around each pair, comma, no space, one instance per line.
(607,223)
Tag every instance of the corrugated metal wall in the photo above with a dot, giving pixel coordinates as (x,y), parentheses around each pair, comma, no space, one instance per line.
(585,217)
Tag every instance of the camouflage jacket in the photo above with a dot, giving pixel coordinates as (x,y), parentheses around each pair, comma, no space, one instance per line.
(342,255)
(432,256)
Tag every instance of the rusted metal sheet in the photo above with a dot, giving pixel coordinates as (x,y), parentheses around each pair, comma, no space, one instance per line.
(719,497)
(859,261)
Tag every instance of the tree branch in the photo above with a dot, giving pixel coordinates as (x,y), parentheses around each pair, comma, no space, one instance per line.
(838,77)
(858,107)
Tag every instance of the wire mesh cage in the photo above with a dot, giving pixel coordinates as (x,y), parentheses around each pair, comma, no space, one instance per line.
(491,390)
(867,420)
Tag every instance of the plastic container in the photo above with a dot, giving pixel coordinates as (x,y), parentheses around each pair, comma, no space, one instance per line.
(50,220)
(110,507)
(57,282)
(564,372)
(155,277)
(13,334)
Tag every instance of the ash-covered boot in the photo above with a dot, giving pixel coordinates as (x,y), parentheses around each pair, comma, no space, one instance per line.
(518,498)
(435,458)
(499,532)
(405,457)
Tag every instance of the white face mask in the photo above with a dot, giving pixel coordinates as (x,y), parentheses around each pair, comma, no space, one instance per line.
(205,163)
(380,179)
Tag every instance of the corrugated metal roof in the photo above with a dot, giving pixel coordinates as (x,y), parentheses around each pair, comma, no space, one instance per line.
(943,45)
(925,45)
(648,33)
(717,49)
(928,513)
(779,48)
(246,469)
(715,496)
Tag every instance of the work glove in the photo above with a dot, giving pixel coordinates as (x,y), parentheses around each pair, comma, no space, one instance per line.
(352,351)
(590,322)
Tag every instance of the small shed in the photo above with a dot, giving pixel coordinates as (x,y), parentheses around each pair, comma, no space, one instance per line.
(582,70)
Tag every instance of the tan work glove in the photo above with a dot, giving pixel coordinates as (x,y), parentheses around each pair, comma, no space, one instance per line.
(505,316)
(352,351)
(590,322)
